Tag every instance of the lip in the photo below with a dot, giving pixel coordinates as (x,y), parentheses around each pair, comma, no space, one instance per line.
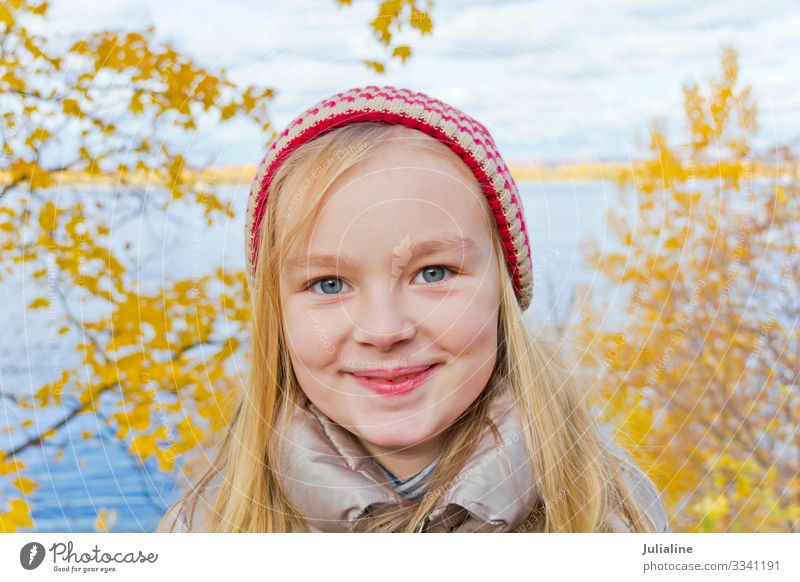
(378,381)
(390,373)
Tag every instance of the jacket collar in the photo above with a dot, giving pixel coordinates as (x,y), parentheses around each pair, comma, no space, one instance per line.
(332,481)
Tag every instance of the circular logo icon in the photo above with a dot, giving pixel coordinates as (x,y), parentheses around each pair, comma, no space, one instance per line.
(31,555)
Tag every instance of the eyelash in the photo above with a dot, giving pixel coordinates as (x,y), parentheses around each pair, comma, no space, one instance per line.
(320,279)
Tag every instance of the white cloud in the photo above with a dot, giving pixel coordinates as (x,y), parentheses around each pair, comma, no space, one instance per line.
(585,76)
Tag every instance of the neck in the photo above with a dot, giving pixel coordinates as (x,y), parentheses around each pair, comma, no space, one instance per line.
(407,461)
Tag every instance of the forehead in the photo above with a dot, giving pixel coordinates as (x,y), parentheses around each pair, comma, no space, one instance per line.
(401,185)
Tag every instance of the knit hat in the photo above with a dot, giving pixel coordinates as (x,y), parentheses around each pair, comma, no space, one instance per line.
(469,139)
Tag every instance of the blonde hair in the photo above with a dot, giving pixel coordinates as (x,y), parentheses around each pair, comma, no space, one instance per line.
(580,483)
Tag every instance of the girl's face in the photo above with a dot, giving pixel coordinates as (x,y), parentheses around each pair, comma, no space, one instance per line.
(396,271)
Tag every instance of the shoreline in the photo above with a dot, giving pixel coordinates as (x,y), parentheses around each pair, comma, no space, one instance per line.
(244,174)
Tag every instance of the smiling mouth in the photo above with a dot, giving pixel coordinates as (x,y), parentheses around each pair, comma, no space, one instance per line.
(398,385)
(397,379)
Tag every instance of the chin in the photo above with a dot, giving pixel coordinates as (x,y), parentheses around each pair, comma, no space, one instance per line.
(394,437)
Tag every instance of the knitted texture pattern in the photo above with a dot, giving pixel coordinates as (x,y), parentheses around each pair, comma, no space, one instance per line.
(469,139)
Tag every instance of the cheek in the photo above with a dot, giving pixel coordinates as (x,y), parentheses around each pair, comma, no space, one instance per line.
(471,343)
(475,336)
(468,334)
(310,341)
(466,326)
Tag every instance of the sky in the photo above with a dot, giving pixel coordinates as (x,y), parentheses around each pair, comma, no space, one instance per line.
(554,81)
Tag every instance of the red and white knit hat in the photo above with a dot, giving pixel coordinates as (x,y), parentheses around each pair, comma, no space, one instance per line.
(460,132)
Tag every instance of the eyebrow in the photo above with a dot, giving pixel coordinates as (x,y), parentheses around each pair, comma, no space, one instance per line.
(448,243)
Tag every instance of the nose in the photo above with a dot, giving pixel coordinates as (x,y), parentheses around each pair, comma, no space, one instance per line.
(382,322)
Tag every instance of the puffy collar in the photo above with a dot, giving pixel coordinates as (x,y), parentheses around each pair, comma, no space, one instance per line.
(332,481)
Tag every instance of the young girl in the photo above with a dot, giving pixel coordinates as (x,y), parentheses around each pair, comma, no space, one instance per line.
(393,385)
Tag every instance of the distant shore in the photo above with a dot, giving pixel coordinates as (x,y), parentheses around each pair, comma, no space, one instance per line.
(581,171)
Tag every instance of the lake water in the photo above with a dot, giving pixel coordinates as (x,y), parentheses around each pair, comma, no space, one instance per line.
(98,473)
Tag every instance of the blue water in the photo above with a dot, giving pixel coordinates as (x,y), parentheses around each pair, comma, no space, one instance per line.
(98,473)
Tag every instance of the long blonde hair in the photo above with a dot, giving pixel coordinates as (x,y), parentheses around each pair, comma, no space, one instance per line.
(580,484)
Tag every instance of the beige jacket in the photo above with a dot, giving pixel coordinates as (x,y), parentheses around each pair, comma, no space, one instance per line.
(332,482)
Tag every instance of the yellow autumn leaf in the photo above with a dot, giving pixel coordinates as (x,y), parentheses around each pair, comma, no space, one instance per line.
(48,216)
(9,467)
(18,515)
(39,302)
(40,9)
(122,431)
(421,21)
(228,111)
(136,106)
(166,458)
(30,172)
(144,445)
(71,107)
(402,52)
(375,66)
(6,17)
(380,27)
(25,485)
(105,519)
(176,168)
(37,137)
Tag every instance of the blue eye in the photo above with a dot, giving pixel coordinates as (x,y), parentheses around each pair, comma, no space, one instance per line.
(431,273)
(327,286)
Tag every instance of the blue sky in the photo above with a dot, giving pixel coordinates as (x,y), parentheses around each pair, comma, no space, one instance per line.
(552,80)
